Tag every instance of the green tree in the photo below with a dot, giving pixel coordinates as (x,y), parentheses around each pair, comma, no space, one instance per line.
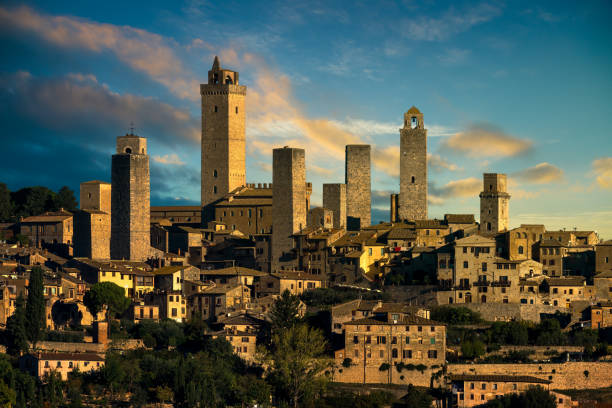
(6,204)
(472,349)
(33,201)
(16,329)
(415,398)
(534,397)
(8,397)
(285,311)
(35,307)
(107,294)
(297,362)
(65,199)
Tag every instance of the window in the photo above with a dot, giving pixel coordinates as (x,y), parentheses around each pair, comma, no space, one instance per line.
(471,386)
(432,340)
(381,340)
(236,110)
(465,264)
(407,340)
(495,386)
(216,108)
(381,353)
(355,340)
(370,251)
(394,340)
(484,266)
(394,353)
(413,179)
(215,173)
(520,249)
(407,354)
(70,364)
(432,329)
(59,363)
(484,386)
(420,328)
(465,250)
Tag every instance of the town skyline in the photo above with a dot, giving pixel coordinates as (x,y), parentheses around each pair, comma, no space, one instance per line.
(328,101)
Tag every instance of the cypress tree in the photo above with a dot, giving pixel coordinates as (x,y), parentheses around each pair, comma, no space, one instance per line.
(16,328)
(35,307)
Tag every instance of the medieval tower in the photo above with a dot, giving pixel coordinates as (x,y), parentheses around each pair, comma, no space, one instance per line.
(130,200)
(92,223)
(494,202)
(334,199)
(412,203)
(223,134)
(358,187)
(289,204)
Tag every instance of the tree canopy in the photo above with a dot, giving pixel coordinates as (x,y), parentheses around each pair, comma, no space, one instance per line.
(285,311)
(534,397)
(106,294)
(35,307)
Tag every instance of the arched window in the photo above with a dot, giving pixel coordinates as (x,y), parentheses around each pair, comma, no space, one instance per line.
(488,226)
(128,150)
(520,249)
(215,173)
(518,234)
(228,80)
(490,187)
(412,179)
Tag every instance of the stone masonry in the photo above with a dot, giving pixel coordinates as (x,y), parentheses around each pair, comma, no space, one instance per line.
(494,201)
(412,203)
(223,134)
(358,186)
(92,223)
(334,198)
(288,202)
(130,200)
(95,195)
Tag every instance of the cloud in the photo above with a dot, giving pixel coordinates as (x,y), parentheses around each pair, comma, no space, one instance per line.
(171,159)
(141,50)
(78,105)
(449,24)
(468,187)
(485,140)
(542,173)
(437,163)
(603,171)
(365,128)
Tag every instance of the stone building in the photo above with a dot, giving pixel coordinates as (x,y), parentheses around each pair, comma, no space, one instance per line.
(387,341)
(334,198)
(92,223)
(177,214)
(412,203)
(494,201)
(601,315)
(42,363)
(241,332)
(130,200)
(223,134)
(52,230)
(522,241)
(288,202)
(320,217)
(358,187)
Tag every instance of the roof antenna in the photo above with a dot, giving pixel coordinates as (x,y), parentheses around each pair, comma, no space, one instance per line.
(131,128)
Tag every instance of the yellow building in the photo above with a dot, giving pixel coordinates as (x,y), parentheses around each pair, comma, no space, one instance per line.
(41,364)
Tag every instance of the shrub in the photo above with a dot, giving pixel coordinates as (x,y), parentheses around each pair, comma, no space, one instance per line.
(384,367)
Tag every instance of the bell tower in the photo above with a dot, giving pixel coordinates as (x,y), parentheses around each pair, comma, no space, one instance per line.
(412,203)
(223,134)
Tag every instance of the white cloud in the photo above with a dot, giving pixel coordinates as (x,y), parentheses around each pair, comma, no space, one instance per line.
(171,159)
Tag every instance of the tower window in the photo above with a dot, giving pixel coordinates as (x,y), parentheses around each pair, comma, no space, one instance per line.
(236,110)
(412,179)
(228,80)
(488,226)
(215,190)
(128,150)
(414,122)
(215,173)
(216,108)
(490,187)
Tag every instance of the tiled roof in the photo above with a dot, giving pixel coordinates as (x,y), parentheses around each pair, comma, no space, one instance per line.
(408,320)
(550,243)
(606,274)
(48,217)
(459,218)
(420,224)
(499,378)
(96,182)
(234,270)
(297,275)
(69,356)
(569,281)
(402,233)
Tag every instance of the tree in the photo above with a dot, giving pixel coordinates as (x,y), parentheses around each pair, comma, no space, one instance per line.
(35,307)
(33,201)
(107,294)
(6,204)
(285,311)
(415,398)
(16,329)
(297,362)
(65,199)
(534,397)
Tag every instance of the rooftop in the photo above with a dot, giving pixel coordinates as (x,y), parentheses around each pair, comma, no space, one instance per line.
(499,378)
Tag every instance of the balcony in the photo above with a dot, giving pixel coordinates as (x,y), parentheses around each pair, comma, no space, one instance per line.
(481,283)
(463,286)
(501,284)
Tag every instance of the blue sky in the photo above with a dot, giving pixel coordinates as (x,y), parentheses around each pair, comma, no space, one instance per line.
(523,88)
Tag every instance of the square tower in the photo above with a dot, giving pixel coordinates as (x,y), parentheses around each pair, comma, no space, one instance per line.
(412,203)
(288,202)
(95,195)
(130,200)
(358,187)
(223,135)
(494,203)
(334,198)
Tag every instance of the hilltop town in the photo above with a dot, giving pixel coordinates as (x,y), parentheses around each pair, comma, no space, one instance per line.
(460,311)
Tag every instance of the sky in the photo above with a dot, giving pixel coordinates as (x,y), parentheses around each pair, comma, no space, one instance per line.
(521,88)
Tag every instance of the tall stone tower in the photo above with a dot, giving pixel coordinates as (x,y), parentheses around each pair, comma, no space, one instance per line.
(412,203)
(288,201)
(92,223)
(223,134)
(358,187)
(130,200)
(334,199)
(494,202)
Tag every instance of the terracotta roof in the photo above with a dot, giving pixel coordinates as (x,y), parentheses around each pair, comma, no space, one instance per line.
(95,182)
(569,281)
(234,270)
(606,274)
(550,243)
(168,270)
(242,320)
(408,320)
(297,275)
(48,217)
(459,218)
(499,378)
(402,233)
(422,224)
(220,289)
(475,239)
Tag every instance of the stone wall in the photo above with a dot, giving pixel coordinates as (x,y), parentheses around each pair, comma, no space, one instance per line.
(358,186)
(334,198)
(92,232)
(95,195)
(511,311)
(373,375)
(564,376)
(288,201)
(494,203)
(130,209)
(413,169)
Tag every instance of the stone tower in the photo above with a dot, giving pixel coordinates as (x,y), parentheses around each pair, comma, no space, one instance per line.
(288,202)
(223,137)
(412,203)
(334,199)
(92,223)
(494,202)
(358,190)
(130,200)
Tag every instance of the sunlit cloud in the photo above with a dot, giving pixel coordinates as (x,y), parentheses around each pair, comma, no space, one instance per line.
(541,173)
(485,140)
(171,159)
(603,171)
